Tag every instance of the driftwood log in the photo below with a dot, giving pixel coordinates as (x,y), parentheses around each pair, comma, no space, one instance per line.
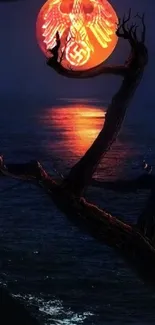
(135,243)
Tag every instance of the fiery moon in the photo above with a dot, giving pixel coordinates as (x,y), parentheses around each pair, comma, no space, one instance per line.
(86,28)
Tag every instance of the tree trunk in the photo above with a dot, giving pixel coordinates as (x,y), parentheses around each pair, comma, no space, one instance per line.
(130,242)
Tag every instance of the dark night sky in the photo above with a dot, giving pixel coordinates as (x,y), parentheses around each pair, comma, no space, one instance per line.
(24,75)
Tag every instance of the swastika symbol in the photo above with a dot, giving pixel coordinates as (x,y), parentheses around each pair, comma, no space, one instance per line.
(77,53)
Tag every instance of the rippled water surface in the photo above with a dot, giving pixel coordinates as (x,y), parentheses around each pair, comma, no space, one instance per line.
(63,275)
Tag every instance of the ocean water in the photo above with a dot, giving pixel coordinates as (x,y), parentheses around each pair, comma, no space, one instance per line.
(63,275)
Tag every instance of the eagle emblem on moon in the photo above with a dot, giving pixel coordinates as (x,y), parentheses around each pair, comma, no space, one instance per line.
(82,24)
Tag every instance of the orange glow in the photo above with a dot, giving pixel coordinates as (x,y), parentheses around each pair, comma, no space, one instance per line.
(80,125)
(86,29)
(69,130)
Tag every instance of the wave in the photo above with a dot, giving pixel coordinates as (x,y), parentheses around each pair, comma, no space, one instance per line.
(53,311)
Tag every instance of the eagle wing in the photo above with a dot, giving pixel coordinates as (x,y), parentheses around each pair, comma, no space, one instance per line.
(101,22)
(54,20)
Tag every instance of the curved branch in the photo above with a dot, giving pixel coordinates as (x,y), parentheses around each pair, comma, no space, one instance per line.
(55,64)
(123,31)
(81,174)
(126,239)
(85,74)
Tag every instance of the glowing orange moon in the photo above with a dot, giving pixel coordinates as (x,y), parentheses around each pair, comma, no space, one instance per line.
(86,28)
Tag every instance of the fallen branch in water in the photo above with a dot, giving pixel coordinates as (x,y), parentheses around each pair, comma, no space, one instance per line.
(126,239)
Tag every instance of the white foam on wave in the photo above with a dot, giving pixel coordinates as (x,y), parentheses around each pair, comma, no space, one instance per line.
(54,311)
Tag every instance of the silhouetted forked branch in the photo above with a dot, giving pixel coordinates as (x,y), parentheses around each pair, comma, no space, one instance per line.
(56,63)
(130,33)
(123,31)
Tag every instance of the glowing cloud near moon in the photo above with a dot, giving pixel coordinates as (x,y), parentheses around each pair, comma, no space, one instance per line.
(86,29)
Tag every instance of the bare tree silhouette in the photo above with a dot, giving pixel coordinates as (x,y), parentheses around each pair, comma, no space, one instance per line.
(134,242)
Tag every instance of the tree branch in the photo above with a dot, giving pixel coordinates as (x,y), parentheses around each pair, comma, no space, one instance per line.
(144,27)
(86,74)
(81,174)
(129,33)
(56,64)
(126,239)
